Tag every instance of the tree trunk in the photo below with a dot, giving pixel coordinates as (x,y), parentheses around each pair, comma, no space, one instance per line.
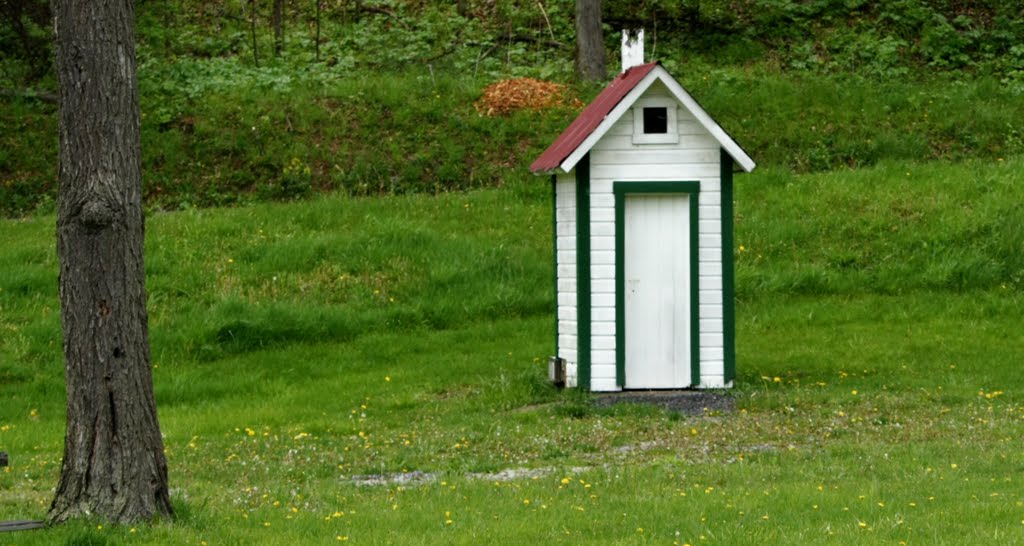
(278,24)
(590,62)
(252,30)
(317,57)
(114,466)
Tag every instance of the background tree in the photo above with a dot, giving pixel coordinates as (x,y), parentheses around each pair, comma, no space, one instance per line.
(590,61)
(277,21)
(316,38)
(114,465)
(252,33)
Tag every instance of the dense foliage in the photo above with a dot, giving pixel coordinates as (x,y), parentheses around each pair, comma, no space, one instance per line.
(881,38)
(374,97)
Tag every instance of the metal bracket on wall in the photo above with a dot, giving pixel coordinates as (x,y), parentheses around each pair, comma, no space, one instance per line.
(556,371)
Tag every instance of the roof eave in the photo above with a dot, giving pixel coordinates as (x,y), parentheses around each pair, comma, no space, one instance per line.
(545,164)
(578,134)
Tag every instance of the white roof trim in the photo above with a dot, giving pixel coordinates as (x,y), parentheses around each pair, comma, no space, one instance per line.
(625,104)
(659,73)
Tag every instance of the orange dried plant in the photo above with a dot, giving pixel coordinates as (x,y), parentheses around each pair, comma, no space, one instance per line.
(502,98)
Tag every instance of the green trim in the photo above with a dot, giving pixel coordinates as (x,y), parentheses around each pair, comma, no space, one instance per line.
(583,273)
(554,253)
(728,271)
(694,291)
(621,189)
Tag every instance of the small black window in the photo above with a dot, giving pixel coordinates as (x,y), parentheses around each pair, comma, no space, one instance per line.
(655,120)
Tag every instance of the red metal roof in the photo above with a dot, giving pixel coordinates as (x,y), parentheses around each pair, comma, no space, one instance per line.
(590,118)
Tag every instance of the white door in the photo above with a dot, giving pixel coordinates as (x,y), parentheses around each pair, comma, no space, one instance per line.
(657,291)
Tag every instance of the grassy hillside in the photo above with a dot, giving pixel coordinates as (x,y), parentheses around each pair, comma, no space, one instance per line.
(226,281)
(248,139)
(891,229)
(310,355)
(387,107)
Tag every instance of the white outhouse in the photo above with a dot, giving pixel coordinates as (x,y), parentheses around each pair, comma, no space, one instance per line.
(642,183)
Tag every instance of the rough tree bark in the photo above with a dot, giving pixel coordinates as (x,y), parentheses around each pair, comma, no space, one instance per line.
(590,62)
(114,466)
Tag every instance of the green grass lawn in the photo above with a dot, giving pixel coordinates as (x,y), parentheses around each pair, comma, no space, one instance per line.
(302,349)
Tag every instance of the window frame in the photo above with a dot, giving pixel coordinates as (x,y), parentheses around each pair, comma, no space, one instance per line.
(671,136)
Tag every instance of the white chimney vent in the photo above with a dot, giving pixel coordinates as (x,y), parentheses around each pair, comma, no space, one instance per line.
(632,48)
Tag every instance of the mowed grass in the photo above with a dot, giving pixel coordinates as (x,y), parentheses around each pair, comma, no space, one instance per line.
(372,371)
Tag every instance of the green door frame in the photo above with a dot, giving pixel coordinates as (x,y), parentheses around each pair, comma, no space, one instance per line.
(621,190)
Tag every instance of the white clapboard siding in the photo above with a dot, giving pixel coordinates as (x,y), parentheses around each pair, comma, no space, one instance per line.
(615,158)
(653,172)
(690,142)
(668,158)
(565,254)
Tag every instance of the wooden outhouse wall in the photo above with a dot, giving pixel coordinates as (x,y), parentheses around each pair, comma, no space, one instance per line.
(696,157)
(565,245)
